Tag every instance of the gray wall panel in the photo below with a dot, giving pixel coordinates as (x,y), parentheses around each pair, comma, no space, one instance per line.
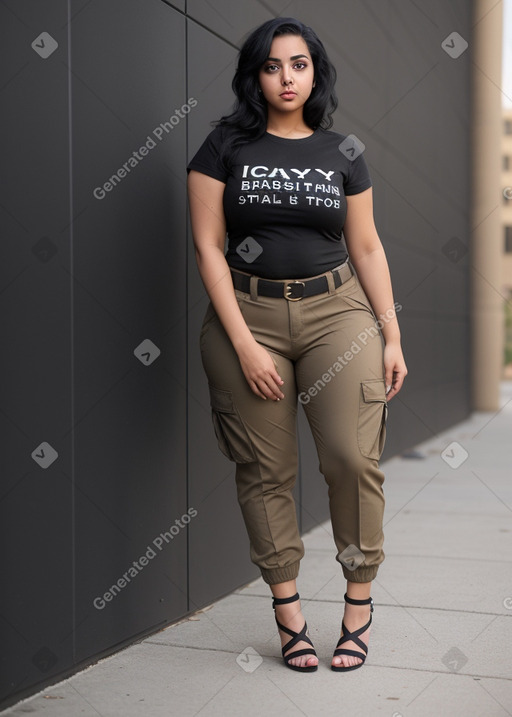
(178,4)
(233,20)
(218,541)
(35,315)
(129,265)
(74,318)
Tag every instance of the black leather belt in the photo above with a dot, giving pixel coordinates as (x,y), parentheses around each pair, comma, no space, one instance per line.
(294,289)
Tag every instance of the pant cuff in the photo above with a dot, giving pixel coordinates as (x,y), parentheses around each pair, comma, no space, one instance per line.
(280,575)
(363,574)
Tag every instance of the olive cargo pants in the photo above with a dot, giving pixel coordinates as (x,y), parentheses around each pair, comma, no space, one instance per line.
(329,352)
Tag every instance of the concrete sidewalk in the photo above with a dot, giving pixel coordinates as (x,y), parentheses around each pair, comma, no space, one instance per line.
(441,641)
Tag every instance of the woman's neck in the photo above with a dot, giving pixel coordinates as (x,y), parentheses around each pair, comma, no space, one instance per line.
(290,125)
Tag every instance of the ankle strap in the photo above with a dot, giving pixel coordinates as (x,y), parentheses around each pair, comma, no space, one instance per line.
(282,601)
(352,601)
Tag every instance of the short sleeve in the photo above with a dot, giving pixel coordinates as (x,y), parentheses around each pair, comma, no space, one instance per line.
(358,176)
(207,158)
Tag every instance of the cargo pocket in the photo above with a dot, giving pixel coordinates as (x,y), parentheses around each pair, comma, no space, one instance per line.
(373,412)
(231,433)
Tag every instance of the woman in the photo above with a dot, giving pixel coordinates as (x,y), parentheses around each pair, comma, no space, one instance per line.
(289,320)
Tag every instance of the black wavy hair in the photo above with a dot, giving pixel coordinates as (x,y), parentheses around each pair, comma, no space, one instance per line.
(248,119)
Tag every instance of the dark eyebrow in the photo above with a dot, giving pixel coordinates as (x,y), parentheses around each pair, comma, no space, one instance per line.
(294,57)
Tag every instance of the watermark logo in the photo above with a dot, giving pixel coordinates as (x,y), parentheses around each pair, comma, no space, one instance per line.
(454,455)
(147,352)
(44,659)
(454,45)
(454,659)
(44,45)
(44,249)
(351,557)
(351,147)
(249,660)
(454,249)
(44,454)
(249,250)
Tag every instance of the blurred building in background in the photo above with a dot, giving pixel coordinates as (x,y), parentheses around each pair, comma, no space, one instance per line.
(506,277)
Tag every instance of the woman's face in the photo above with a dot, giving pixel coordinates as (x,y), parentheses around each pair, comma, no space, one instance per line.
(286,78)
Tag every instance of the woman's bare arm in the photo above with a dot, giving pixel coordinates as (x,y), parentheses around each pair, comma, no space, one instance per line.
(367,255)
(209,233)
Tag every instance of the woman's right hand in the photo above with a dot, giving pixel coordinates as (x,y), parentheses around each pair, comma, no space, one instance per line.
(260,370)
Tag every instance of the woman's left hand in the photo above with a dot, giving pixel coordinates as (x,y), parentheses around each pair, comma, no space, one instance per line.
(395,368)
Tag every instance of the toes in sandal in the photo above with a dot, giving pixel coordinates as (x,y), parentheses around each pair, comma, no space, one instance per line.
(296,637)
(348,636)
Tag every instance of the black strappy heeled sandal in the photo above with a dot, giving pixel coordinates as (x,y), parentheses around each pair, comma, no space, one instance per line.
(353,637)
(296,637)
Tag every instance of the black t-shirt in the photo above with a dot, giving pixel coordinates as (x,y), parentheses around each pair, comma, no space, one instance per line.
(284,201)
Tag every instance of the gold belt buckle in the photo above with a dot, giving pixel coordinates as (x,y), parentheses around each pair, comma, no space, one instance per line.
(288,290)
